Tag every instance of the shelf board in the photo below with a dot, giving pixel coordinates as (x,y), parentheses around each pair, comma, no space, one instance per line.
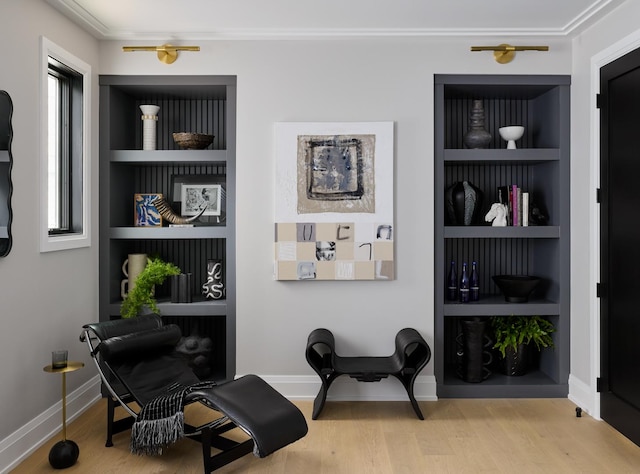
(486,231)
(168,156)
(197,308)
(497,306)
(150,233)
(535,384)
(4,156)
(502,155)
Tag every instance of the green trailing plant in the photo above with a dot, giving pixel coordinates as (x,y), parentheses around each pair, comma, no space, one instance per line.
(511,331)
(155,273)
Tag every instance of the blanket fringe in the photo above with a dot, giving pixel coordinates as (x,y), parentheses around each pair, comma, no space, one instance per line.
(149,437)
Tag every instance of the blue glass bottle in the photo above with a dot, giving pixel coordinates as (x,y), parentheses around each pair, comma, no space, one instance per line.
(474,283)
(452,283)
(464,284)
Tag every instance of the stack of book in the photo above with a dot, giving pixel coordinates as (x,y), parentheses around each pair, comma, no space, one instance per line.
(517,203)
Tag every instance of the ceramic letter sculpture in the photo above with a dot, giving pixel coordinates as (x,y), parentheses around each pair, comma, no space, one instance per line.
(149,120)
(477,136)
(213,288)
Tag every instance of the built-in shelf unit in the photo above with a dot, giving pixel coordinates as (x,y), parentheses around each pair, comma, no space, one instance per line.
(540,166)
(203,104)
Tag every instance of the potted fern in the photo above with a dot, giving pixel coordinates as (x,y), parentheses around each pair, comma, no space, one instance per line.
(515,337)
(142,294)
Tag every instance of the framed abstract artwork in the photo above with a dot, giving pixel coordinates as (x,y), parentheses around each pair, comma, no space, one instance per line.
(334,201)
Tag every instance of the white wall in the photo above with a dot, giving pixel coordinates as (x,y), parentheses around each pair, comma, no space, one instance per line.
(599,44)
(44,298)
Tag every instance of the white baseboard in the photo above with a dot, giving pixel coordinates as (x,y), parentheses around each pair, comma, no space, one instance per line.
(21,443)
(584,396)
(306,387)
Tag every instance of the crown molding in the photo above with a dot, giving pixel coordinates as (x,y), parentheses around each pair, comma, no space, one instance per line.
(78,14)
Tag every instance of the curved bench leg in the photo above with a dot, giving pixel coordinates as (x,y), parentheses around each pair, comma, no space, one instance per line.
(408,385)
(415,405)
(318,403)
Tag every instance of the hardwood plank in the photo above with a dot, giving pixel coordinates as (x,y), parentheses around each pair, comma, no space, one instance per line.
(458,436)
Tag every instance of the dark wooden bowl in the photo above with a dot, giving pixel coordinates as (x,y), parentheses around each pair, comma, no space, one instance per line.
(192,141)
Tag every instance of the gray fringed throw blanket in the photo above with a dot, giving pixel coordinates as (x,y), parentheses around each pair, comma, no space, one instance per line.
(161,421)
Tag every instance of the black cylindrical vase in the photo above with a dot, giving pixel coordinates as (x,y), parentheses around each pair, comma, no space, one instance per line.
(475,357)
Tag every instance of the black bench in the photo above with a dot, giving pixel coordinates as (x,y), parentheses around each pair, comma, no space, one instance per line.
(411,355)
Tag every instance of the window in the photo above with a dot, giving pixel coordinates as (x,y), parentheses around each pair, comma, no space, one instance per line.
(65,161)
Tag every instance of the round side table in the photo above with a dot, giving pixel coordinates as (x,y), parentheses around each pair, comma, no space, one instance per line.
(64,453)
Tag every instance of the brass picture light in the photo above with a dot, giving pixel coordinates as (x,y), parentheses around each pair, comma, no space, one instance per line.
(504,53)
(166,53)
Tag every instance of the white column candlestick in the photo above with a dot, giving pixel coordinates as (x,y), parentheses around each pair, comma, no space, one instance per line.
(149,119)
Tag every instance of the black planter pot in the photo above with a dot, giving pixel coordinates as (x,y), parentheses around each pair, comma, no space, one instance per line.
(517,361)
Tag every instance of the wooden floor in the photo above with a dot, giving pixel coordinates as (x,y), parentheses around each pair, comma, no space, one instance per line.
(458,436)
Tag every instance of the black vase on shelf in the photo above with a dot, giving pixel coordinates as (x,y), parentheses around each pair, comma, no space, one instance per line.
(477,136)
(463,202)
(473,354)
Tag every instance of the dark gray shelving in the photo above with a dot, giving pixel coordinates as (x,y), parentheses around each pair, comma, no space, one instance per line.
(539,166)
(153,233)
(203,104)
(488,231)
(169,156)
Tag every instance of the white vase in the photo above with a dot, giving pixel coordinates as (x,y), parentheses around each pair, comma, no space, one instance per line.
(132,268)
(149,119)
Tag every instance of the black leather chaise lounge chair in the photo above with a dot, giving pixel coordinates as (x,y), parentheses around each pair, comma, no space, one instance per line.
(137,362)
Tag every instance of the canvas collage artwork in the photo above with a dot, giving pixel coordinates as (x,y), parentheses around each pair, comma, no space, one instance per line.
(334,201)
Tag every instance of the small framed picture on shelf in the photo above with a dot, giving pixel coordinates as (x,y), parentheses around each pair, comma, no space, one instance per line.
(196,196)
(145,212)
(191,192)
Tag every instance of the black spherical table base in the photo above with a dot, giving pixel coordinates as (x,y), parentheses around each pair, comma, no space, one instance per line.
(63,454)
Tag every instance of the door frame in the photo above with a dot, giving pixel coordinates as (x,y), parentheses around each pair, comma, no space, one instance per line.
(608,55)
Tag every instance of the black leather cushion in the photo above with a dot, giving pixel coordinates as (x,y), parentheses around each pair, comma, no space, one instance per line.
(118,327)
(146,362)
(137,345)
(272,421)
(151,376)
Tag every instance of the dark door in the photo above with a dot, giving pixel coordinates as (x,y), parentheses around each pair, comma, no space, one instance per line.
(620,244)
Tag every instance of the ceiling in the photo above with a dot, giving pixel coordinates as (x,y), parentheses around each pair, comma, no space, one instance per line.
(282,19)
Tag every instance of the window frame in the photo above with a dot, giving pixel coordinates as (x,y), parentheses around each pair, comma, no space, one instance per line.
(78,234)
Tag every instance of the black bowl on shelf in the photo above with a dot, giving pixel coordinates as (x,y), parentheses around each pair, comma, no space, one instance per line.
(516,288)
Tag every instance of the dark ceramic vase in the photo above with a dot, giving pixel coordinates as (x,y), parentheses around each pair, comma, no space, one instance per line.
(463,201)
(473,354)
(477,136)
